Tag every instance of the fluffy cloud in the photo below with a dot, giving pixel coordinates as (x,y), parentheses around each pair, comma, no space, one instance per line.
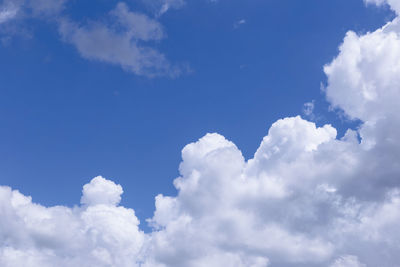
(96,234)
(306,198)
(394,4)
(364,79)
(101,191)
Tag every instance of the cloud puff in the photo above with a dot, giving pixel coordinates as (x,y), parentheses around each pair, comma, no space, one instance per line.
(101,191)
(394,4)
(364,79)
(305,199)
(97,234)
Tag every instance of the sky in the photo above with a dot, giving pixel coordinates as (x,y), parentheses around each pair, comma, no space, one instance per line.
(199,133)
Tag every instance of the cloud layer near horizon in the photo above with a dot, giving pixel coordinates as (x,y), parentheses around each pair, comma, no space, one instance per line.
(306,198)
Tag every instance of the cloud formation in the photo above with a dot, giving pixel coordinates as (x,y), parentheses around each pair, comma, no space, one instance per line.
(394,4)
(117,43)
(114,40)
(168,4)
(99,233)
(306,198)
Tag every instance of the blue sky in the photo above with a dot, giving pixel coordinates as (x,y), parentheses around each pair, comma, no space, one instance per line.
(66,119)
(118,89)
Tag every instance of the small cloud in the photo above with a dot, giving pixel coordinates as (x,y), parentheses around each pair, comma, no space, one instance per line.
(308,110)
(122,45)
(7,14)
(238,23)
(164,5)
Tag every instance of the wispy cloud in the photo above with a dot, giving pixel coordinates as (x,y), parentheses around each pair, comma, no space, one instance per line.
(308,110)
(238,23)
(112,39)
(7,14)
(118,43)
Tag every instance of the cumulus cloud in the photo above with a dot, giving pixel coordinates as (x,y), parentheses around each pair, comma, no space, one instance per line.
(305,199)
(101,191)
(364,79)
(100,233)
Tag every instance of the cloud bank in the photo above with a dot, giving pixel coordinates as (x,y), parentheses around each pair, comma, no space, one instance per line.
(306,198)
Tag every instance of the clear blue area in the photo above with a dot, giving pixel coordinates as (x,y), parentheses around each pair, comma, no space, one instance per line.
(65,119)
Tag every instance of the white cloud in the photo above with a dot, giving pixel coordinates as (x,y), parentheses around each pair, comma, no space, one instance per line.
(305,199)
(98,234)
(364,79)
(394,4)
(101,191)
